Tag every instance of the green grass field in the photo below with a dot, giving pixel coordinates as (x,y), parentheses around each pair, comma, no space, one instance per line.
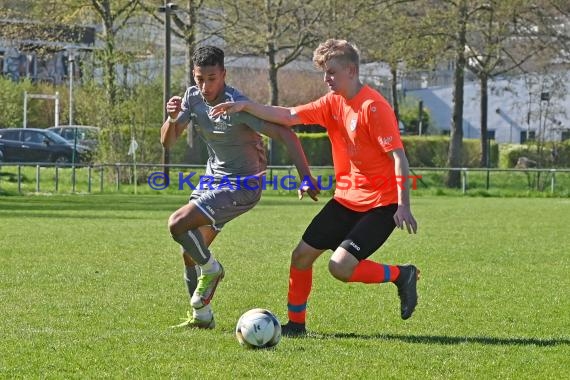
(89,286)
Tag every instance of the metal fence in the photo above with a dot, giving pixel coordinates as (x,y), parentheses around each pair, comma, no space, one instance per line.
(23,178)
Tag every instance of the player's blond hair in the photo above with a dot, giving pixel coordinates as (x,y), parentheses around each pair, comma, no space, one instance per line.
(340,50)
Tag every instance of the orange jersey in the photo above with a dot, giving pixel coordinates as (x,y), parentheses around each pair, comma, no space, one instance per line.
(362,130)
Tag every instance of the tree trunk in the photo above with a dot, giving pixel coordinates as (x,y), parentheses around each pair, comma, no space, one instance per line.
(456,139)
(109,62)
(190,40)
(274,97)
(395,105)
(484,80)
(273,89)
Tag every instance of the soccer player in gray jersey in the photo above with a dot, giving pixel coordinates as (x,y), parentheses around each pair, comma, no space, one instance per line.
(235,151)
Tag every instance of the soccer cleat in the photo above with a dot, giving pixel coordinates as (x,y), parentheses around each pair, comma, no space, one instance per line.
(206,287)
(192,322)
(406,283)
(293,329)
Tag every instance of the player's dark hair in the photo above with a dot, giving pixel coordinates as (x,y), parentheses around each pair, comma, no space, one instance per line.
(208,56)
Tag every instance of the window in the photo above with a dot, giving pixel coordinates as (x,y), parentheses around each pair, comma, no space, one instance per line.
(33,137)
(10,135)
(531,136)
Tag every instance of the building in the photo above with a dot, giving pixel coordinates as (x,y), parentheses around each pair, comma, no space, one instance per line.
(41,52)
(517,111)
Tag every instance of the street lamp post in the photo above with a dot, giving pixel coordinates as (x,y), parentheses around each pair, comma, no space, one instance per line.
(167,10)
(70,59)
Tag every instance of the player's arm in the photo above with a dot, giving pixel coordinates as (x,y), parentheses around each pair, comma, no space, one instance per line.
(403,215)
(274,114)
(172,128)
(287,137)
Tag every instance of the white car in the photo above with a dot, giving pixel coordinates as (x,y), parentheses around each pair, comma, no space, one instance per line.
(86,135)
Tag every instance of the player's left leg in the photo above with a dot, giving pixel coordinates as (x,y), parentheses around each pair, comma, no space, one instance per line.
(221,206)
(349,262)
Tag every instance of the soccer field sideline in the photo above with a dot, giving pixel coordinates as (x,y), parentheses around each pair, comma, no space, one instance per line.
(90,285)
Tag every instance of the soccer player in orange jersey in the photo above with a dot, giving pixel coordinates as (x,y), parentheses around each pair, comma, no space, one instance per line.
(371,196)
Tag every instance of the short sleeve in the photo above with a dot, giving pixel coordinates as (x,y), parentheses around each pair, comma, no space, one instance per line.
(314,113)
(383,126)
(184,115)
(251,121)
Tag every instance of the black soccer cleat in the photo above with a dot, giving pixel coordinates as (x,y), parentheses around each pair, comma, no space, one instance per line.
(406,283)
(293,329)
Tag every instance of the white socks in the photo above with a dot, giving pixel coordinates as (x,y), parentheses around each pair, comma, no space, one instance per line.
(203,313)
(211,266)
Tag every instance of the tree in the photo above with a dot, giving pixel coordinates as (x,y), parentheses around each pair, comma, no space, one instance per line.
(447,21)
(277,29)
(113,16)
(502,39)
(403,45)
(195,22)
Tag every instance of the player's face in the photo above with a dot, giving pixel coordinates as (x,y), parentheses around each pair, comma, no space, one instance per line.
(338,76)
(210,80)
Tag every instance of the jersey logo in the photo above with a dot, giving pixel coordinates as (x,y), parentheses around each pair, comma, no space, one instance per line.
(384,140)
(353,124)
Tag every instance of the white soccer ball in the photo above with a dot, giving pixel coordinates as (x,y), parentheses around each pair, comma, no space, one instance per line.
(258,328)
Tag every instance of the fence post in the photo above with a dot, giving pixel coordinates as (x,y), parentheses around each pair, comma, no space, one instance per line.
(37,178)
(19,179)
(118,176)
(101,175)
(73,179)
(463,180)
(56,178)
(89,168)
(552,180)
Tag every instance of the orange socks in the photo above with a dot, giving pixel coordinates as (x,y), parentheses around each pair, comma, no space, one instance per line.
(300,283)
(369,272)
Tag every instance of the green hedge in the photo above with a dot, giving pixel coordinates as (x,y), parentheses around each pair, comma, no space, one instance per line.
(554,155)
(431,151)
(422,151)
(114,145)
(317,148)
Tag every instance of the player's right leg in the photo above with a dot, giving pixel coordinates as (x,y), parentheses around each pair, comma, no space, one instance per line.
(300,283)
(326,231)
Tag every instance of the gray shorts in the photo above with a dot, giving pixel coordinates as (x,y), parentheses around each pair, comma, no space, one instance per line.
(223,204)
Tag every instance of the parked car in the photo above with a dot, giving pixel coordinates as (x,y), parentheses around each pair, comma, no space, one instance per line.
(86,135)
(39,145)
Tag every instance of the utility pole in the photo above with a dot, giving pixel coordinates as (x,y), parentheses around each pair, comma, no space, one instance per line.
(167,10)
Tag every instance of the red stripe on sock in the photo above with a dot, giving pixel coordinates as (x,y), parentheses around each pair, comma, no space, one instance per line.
(300,283)
(370,272)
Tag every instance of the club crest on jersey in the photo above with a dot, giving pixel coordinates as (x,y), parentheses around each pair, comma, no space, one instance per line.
(220,123)
(384,140)
(353,124)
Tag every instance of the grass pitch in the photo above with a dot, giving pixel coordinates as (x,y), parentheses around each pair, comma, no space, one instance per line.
(89,286)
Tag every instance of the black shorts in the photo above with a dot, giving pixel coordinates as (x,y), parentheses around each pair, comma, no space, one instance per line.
(360,233)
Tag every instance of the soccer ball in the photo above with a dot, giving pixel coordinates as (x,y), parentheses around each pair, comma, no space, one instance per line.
(258,328)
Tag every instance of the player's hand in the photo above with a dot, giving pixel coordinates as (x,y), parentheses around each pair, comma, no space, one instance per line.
(227,107)
(311,188)
(174,106)
(403,217)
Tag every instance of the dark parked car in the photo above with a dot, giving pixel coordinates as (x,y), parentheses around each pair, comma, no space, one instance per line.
(38,145)
(85,134)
